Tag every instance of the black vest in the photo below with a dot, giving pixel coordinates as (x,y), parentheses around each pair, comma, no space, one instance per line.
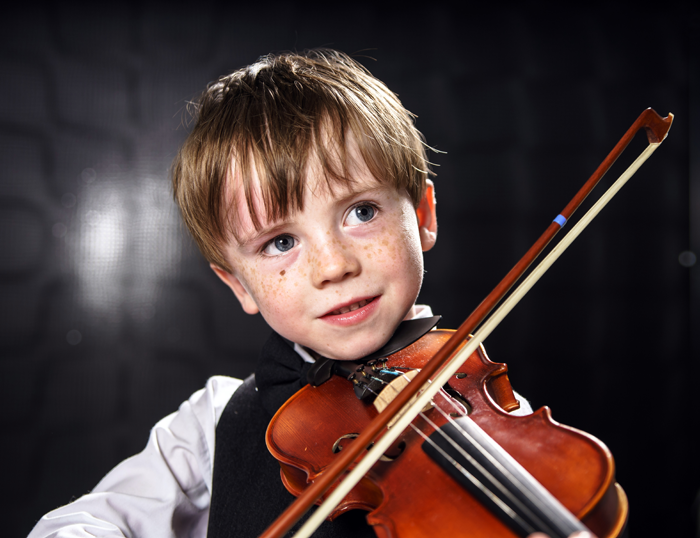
(247,492)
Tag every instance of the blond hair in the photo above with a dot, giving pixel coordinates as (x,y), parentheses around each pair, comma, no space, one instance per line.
(272,116)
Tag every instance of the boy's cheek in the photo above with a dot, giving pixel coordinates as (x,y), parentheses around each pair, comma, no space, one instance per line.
(400,244)
(272,289)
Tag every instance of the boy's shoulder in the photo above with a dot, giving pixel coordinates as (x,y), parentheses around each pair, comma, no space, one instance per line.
(219,389)
(213,398)
(197,417)
(208,401)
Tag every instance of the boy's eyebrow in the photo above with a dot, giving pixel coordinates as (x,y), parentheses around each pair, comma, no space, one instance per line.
(354,193)
(243,243)
(280,225)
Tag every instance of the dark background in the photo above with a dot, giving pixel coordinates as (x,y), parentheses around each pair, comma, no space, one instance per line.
(110,318)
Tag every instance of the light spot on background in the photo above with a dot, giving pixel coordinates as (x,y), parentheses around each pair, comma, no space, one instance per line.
(687,258)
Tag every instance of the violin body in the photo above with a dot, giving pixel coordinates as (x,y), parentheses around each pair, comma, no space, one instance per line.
(407,494)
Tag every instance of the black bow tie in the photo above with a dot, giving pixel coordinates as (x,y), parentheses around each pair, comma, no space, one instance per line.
(282,372)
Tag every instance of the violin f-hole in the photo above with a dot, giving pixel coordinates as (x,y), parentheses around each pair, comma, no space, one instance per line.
(338,445)
(460,399)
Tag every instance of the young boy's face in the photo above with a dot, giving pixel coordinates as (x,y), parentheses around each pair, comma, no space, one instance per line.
(339,276)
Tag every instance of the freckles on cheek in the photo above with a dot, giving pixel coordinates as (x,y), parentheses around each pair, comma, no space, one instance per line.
(388,249)
(260,286)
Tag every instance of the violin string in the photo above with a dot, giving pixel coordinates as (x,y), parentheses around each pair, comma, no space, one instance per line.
(510,477)
(515,502)
(473,441)
(484,451)
(498,502)
(505,508)
(519,477)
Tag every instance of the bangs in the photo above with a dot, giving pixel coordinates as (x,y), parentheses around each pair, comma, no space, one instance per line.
(282,159)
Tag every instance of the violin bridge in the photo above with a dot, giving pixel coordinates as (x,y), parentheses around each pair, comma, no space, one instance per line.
(390,391)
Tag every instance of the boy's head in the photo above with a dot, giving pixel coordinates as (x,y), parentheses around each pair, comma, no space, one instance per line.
(297,144)
(272,116)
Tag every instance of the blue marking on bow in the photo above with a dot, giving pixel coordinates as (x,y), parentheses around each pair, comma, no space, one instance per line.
(560,220)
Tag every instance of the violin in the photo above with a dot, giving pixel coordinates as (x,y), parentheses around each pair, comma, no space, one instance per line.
(467,427)
(465,467)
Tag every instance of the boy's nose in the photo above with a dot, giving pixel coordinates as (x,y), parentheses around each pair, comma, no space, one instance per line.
(334,262)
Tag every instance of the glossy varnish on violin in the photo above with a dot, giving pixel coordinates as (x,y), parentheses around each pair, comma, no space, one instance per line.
(410,495)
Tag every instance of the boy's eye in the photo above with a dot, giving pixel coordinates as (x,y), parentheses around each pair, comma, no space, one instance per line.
(361,213)
(281,243)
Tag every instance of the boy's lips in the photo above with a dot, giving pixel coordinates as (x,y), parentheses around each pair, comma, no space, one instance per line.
(352,312)
(348,307)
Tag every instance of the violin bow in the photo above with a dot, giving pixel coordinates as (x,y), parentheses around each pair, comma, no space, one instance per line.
(447,364)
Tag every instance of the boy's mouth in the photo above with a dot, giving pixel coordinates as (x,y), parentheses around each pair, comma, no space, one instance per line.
(350,307)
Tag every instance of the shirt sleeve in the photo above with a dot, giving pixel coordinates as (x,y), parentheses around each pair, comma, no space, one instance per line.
(164,491)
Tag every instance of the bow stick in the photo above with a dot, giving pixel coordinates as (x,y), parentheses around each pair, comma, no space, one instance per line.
(657,129)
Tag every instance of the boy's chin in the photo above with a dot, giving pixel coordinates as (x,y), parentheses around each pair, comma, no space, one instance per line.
(352,353)
(362,344)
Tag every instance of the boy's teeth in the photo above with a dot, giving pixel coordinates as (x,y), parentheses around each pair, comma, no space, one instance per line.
(352,307)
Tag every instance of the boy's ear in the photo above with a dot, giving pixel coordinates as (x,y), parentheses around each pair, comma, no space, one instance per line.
(427,217)
(247,302)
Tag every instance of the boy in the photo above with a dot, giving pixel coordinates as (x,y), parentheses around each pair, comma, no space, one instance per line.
(305,184)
